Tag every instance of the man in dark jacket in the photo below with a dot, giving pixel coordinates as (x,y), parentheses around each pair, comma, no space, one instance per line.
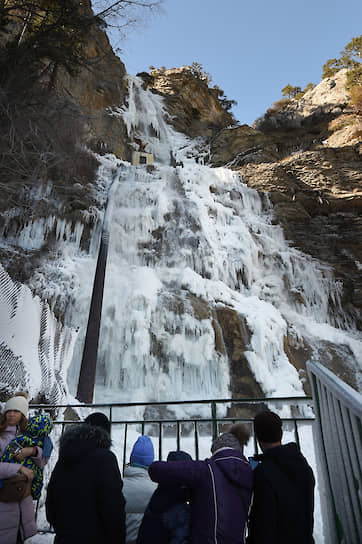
(283,504)
(84,503)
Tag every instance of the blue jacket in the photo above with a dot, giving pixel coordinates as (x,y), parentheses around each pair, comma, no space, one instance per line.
(167,517)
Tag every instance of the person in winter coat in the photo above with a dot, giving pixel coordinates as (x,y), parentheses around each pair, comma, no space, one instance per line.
(168,514)
(283,504)
(138,488)
(221,488)
(36,432)
(84,501)
(17,519)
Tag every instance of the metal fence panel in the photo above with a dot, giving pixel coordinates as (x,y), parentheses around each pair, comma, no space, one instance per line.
(338,411)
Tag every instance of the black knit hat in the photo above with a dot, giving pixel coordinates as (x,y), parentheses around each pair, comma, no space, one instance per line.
(99,420)
(179,455)
(268,427)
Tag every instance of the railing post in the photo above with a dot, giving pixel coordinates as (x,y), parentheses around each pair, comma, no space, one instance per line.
(196,441)
(296,433)
(124,448)
(214,420)
(111,418)
(160,442)
(178,442)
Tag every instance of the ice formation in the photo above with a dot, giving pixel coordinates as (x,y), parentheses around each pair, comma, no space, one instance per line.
(183,242)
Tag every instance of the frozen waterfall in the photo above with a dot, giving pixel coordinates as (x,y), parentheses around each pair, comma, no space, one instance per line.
(185,242)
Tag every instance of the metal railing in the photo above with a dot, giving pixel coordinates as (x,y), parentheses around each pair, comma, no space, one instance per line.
(338,410)
(193,427)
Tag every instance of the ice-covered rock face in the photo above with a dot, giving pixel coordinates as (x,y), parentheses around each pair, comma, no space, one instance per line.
(186,243)
(203,296)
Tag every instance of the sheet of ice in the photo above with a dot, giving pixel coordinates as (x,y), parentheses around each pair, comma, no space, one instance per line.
(40,360)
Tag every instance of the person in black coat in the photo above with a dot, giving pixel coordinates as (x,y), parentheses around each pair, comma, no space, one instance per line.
(84,502)
(283,504)
(167,517)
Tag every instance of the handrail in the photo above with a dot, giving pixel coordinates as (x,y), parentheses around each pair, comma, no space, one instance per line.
(338,410)
(196,422)
(244,400)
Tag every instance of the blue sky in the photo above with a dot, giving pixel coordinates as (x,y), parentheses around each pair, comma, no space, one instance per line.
(252,49)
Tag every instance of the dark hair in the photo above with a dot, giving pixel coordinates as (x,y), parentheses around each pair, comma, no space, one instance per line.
(3,424)
(268,427)
(99,420)
(179,455)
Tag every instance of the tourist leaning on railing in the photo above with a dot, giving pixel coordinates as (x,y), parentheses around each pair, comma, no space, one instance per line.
(221,488)
(138,487)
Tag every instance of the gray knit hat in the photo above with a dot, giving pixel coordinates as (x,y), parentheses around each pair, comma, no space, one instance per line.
(225,440)
(236,438)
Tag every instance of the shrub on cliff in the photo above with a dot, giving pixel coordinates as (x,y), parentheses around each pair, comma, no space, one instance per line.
(356,99)
(350,59)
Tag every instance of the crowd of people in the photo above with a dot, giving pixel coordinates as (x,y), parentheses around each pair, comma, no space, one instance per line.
(224,499)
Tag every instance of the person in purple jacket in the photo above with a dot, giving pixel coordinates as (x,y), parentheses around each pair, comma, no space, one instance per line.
(221,488)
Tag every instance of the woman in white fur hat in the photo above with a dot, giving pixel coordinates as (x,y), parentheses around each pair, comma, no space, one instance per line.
(17,519)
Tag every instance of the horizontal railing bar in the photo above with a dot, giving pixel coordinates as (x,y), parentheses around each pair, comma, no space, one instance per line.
(189,420)
(256,400)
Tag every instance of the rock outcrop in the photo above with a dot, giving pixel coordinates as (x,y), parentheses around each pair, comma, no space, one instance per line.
(97,88)
(194,107)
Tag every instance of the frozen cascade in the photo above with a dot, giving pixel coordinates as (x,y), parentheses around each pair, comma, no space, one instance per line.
(185,243)
(192,237)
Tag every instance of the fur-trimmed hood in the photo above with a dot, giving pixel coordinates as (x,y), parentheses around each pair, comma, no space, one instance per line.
(80,440)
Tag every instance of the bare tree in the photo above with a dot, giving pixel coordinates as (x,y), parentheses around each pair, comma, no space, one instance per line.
(54,33)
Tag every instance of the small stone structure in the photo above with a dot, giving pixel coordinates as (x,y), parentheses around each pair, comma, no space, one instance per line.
(140,157)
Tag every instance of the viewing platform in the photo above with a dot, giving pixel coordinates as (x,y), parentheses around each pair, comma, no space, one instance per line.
(327,427)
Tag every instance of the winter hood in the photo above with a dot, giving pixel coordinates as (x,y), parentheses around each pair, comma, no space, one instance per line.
(234,467)
(81,440)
